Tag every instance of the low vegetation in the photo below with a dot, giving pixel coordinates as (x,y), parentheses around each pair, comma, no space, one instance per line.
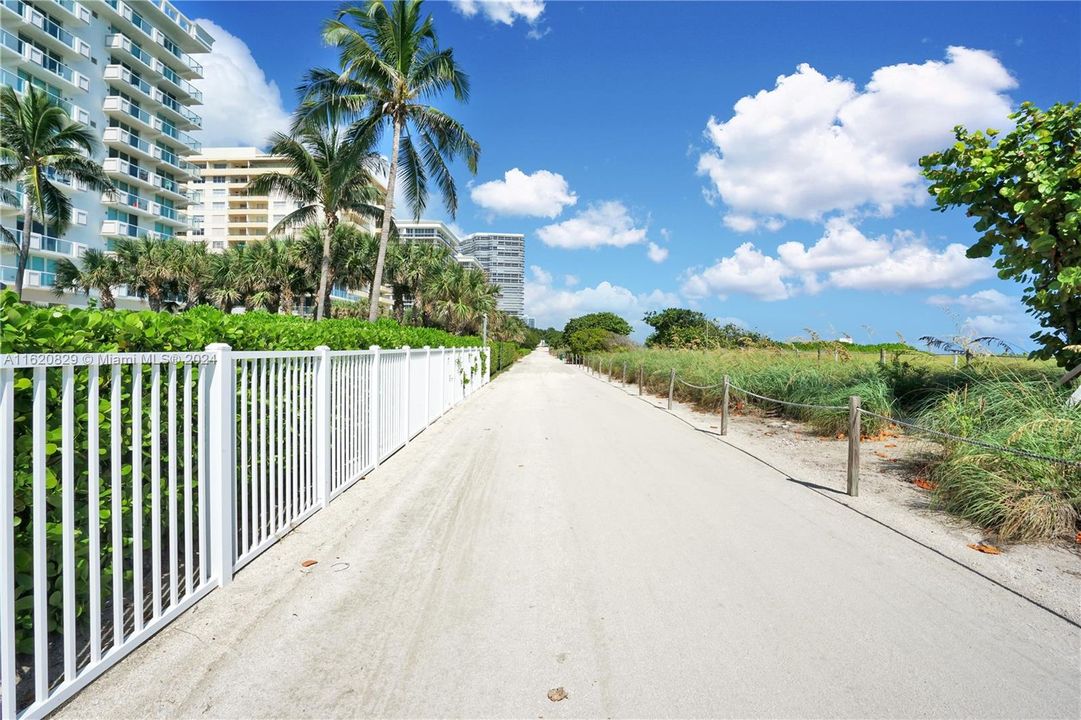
(1004,401)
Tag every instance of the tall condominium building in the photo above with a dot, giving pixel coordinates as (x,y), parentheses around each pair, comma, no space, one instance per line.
(435,231)
(124,69)
(223,212)
(502,255)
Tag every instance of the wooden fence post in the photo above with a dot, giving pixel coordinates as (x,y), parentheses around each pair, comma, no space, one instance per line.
(724,407)
(882,356)
(640,371)
(854,445)
(624,375)
(671,387)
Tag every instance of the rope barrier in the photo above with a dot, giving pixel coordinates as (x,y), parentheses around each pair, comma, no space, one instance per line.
(912,426)
(976,443)
(786,402)
(698,387)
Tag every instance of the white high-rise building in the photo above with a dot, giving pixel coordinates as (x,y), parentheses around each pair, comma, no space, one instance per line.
(124,69)
(434,231)
(502,255)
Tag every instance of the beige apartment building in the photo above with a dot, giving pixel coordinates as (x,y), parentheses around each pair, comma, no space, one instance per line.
(223,212)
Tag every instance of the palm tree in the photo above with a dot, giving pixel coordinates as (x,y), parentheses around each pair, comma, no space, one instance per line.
(229,278)
(349,259)
(147,268)
(415,265)
(329,175)
(96,270)
(278,274)
(38,138)
(460,297)
(391,64)
(190,265)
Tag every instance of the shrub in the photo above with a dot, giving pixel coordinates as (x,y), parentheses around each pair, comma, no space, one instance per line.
(31,329)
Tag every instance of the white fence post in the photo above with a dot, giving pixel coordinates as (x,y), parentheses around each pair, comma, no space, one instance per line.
(221,412)
(7,540)
(427,385)
(487,365)
(322,423)
(443,380)
(373,407)
(405,388)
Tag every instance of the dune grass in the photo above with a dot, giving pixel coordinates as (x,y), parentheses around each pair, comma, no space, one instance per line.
(1010,402)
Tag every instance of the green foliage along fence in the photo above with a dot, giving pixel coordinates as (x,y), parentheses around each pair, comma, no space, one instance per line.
(30,329)
(505,354)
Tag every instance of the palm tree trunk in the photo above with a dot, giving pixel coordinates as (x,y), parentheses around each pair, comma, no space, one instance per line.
(105,297)
(24,246)
(384,232)
(321,304)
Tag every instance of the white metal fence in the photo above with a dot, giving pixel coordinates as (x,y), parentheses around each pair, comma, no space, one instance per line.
(139,482)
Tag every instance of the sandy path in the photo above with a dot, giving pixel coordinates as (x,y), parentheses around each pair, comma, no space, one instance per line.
(550,532)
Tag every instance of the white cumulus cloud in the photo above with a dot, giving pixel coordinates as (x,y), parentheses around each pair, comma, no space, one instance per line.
(980,301)
(607,223)
(844,257)
(747,271)
(815,144)
(657,253)
(541,194)
(241,106)
(553,306)
(504,12)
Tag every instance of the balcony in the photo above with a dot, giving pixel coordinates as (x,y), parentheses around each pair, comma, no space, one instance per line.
(184,88)
(48,245)
(72,10)
(44,29)
(182,38)
(181,87)
(119,41)
(67,183)
(127,112)
(188,119)
(128,202)
(131,143)
(120,229)
(32,278)
(11,201)
(190,144)
(52,66)
(75,112)
(128,172)
(170,215)
(173,160)
(120,77)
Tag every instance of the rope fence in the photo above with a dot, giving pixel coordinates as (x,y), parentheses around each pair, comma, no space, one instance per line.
(855,413)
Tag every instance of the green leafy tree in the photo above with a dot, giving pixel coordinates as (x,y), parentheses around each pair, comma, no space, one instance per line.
(592,339)
(666,323)
(1024,189)
(96,270)
(38,140)
(604,320)
(330,173)
(391,66)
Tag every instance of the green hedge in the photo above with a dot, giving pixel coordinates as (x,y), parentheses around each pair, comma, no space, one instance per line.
(30,329)
(505,354)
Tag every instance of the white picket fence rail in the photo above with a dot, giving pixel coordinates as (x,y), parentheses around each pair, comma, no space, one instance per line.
(201,462)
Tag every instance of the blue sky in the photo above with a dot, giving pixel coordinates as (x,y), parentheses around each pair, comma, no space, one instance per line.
(612,138)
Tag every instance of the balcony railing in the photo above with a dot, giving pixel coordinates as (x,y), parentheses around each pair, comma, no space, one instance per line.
(123,167)
(20,85)
(33,278)
(121,229)
(47,243)
(126,199)
(182,137)
(119,72)
(121,41)
(174,105)
(115,134)
(185,87)
(162,38)
(115,103)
